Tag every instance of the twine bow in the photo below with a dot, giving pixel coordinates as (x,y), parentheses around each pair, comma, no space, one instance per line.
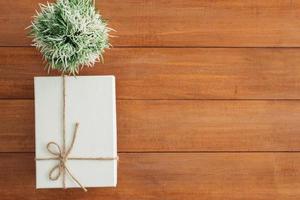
(62,155)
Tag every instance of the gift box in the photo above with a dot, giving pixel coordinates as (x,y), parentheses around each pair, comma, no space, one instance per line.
(75,132)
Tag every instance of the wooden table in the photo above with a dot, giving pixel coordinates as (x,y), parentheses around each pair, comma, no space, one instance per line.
(208,100)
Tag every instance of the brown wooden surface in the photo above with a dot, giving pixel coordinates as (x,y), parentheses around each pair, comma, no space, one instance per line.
(162,126)
(195,121)
(175,176)
(177,22)
(173,73)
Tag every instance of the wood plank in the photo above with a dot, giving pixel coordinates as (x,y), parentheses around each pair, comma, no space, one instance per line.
(269,23)
(173,73)
(163,126)
(264,176)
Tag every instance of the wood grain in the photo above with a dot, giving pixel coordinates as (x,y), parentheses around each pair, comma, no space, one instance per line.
(251,176)
(269,23)
(173,73)
(196,119)
(163,126)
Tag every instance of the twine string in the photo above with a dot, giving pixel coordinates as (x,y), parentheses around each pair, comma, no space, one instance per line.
(62,155)
(62,166)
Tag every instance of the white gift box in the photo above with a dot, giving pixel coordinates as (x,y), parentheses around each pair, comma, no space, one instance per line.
(90,101)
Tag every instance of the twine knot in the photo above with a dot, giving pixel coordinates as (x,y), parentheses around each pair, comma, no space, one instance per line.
(62,157)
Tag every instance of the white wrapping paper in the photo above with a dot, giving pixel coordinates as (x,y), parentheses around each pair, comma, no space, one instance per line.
(91,101)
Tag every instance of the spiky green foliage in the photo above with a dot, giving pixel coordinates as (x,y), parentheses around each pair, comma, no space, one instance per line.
(70,34)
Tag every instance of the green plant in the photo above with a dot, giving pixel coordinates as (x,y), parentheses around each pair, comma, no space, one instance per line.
(70,34)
